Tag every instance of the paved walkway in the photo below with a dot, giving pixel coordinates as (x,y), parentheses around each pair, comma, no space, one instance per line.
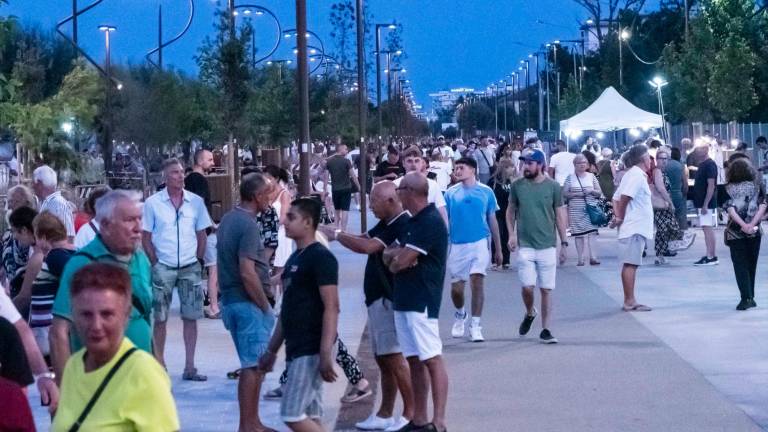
(693,364)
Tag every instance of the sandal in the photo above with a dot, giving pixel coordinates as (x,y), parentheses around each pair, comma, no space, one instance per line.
(580,264)
(234,374)
(192,375)
(636,308)
(216,315)
(356,394)
(594,262)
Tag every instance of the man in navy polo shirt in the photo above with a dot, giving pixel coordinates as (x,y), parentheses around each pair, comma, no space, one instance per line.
(472,210)
(419,267)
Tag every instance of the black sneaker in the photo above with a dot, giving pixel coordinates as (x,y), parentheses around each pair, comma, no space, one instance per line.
(546,337)
(410,427)
(751,303)
(670,254)
(704,261)
(743,305)
(525,326)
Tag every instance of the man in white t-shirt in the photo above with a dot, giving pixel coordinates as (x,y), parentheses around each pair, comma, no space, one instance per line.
(413,161)
(561,163)
(634,219)
(440,169)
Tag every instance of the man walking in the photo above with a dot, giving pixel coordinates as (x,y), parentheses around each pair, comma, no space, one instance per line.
(119,217)
(174,240)
(45,185)
(633,215)
(472,214)
(413,161)
(244,281)
(342,175)
(419,267)
(377,284)
(561,163)
(534,213)
(705,201)
(485,160)
(308,320)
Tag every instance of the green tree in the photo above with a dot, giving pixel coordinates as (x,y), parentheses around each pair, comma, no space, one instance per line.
(475,116)
(731,86)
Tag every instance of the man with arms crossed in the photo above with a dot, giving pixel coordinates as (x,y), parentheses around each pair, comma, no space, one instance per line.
(377,284)
(308,320)
(419,267)
(534,213)
(471,209)
(246,312)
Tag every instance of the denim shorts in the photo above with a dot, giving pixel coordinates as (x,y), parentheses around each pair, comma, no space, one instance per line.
(251,330)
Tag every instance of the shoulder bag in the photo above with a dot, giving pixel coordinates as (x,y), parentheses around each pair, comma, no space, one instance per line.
(95,398)
(596,215)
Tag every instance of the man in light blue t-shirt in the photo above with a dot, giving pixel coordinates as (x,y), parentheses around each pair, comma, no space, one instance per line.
(471,208)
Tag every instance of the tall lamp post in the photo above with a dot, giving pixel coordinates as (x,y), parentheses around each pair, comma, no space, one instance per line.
(623,36)
(546,65)
(390,26)
(504,94)
(657,83)
(539,94)
(107,146)
(527,64)
(362,105)
(302,81)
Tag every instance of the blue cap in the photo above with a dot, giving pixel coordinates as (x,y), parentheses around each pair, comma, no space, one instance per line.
(536,156)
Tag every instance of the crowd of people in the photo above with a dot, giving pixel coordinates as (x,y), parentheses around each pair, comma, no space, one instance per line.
(86,295)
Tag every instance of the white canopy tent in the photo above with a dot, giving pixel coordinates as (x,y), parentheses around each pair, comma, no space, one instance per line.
(611,112)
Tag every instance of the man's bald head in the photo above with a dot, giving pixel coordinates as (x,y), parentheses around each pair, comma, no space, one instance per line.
(384,190)
(416,183)
(385,203)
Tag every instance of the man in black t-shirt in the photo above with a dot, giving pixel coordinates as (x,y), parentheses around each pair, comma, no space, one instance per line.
(196,183)
(342,178)
(418,263)
(308,319)
(705,201)
(390,168)
(377,284)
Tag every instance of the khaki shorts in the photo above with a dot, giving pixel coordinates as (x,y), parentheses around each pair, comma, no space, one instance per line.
(187,279)
(709,219)
(381,328)
(631,250)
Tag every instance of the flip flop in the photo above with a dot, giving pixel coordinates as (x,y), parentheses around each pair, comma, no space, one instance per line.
(192,375)
(636,308)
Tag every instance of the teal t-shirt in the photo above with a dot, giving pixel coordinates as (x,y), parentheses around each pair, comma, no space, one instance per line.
(535,204)
(139,330)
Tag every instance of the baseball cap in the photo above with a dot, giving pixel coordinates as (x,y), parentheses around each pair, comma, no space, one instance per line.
(536,156)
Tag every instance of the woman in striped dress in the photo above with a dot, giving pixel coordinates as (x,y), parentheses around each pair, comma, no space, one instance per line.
(579,189)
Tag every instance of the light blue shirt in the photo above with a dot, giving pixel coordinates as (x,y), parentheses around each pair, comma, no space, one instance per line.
(174,233)
(468,211)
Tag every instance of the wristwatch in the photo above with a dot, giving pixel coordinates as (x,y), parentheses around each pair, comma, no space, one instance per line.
(336,233)
(564,244)
(49,375)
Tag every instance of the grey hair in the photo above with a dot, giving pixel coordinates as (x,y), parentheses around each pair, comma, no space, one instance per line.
(105,206)
(579,157)
(29,197)
(665,150)
(251,185)
(45,175)
(635,154)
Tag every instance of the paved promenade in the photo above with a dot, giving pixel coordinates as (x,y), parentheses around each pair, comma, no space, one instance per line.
(693,364)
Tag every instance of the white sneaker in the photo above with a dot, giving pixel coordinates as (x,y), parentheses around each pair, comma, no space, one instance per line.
(476,333)
(399,424)
(374,422)
(458,325)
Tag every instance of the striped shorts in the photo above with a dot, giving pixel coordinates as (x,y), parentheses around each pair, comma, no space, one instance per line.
(303,393)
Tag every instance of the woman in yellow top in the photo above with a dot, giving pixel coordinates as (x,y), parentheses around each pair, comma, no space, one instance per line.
(136,391)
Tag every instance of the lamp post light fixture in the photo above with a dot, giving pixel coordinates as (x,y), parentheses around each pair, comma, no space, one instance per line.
(658,83)
(107,144)
(389,26)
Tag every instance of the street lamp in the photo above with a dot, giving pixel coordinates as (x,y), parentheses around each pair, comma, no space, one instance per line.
(107,147)
(657,83)
(624,35)
(390,26)
(527,64)
(249,11)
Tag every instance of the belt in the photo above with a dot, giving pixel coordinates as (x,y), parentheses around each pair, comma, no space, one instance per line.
(180,267)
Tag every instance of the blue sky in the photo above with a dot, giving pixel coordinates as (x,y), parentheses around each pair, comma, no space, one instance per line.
(450,43)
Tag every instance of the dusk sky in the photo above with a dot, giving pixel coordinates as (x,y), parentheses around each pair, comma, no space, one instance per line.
(449,43)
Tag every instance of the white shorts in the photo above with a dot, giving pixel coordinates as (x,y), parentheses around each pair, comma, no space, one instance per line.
(466,259)
(537,267)
(418,335)
(210,250)
(709,219)
(631,249)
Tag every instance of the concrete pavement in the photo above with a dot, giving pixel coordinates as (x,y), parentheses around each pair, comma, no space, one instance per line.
(693,364)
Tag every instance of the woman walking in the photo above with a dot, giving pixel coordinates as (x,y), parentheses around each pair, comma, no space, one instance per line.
(581,188)
(746,206)
(664,219)
(501,183)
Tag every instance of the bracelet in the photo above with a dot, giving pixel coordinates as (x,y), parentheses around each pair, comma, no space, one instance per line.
(49,375)
(336,234)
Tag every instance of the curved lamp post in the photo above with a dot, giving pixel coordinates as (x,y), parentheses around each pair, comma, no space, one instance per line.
(160,43)
(250,10)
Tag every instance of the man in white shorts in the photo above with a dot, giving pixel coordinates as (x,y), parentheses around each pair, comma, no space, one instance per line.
(471,209)
(534,213)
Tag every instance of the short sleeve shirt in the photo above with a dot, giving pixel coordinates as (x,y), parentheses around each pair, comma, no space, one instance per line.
(13,359)
(174,232)
(562,163)
(59,207)
(138,329)
(198,185)
(137,398)
(384,167)
(535,206)
(468,211)
(339,168)
(638,217)
(302,311)
(378,280)
(707,170)
(239,236)
(434,196)
(420,288)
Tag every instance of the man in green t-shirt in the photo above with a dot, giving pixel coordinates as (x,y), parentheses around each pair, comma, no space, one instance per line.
(535,210)
(117,243)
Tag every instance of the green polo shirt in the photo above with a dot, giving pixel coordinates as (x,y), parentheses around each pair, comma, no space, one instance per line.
(139,331)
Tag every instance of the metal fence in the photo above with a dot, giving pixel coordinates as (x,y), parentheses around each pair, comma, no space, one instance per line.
(746,132)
